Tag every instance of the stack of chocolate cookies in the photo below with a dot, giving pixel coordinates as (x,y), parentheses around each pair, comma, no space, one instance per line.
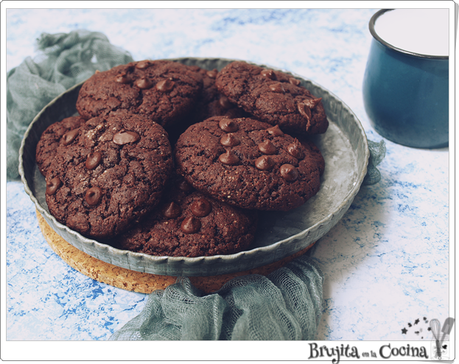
(174,160)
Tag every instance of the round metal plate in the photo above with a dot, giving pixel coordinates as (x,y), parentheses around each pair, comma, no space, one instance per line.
(280,234)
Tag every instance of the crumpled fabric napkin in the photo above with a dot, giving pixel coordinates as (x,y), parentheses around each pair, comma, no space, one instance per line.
(285,305)
(63,60)
(377,154)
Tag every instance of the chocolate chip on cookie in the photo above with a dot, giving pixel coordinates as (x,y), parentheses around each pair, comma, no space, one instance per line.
(248,163)
(272,96)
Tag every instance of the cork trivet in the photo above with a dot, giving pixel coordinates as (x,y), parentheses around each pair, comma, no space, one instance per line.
(131,280)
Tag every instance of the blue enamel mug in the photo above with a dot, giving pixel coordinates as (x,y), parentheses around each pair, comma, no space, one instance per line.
(405,93)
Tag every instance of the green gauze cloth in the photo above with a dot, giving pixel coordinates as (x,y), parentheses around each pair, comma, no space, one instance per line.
(63,60)
(285,305)
(377,154)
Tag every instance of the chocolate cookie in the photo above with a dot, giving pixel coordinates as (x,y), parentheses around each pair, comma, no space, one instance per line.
(190,224)
(273,96)
(212,102)
(108,173)
(161,90)
(49,140)
(247,163)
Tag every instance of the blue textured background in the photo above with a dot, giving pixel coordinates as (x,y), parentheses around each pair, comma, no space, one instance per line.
(386,262)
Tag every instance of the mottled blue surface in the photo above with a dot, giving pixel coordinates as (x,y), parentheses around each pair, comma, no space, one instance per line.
(386,262)
(46,298)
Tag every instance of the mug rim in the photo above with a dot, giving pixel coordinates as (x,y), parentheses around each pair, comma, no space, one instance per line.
(383,42)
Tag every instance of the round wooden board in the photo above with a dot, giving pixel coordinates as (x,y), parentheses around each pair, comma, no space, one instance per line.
(137,281)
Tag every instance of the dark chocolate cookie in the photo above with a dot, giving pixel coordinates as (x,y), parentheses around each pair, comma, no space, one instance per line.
(212,102)
(273,96)
(190,224)
(160,89)
(247,163)
(108,173)
(51,138)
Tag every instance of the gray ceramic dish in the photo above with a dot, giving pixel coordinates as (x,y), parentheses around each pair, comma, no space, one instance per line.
(344,147)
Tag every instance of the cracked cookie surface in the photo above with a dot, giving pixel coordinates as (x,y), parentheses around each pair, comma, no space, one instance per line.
(107,173)
(248,163)
(190,224)
(161,90)
(273,96)
(51,138)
